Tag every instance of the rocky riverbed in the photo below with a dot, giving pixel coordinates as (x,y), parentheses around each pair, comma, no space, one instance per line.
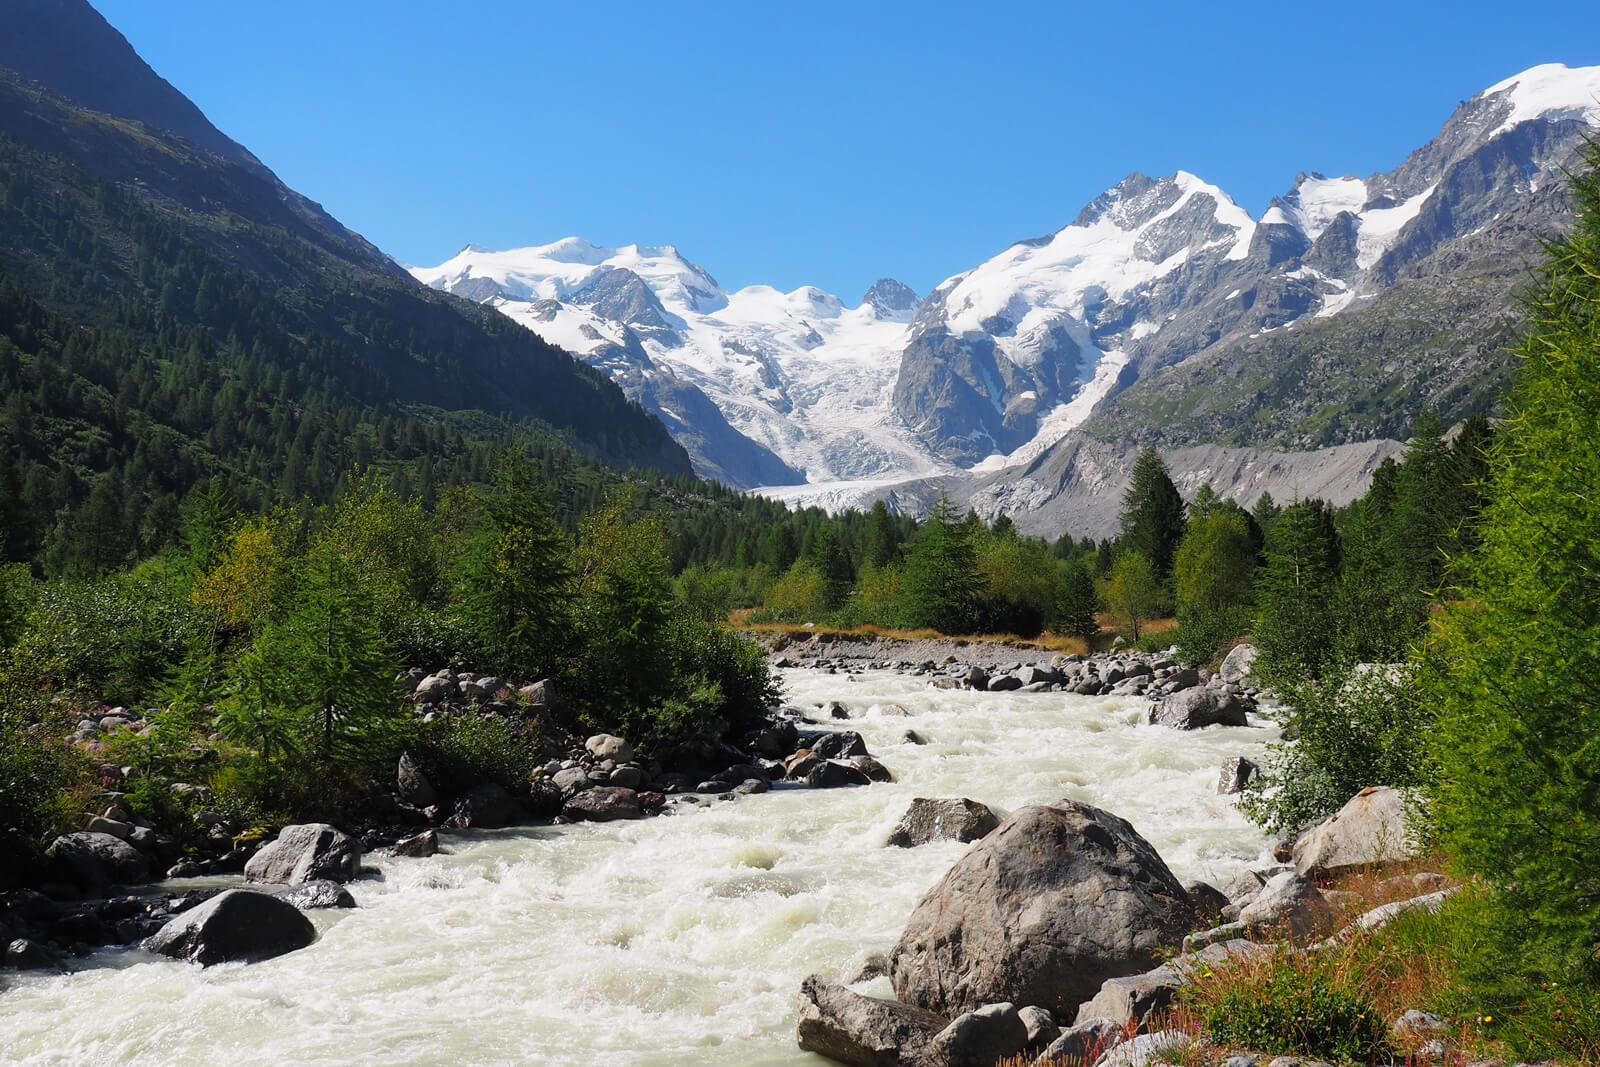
(677,939)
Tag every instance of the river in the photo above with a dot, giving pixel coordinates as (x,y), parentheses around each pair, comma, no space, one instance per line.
(675,940)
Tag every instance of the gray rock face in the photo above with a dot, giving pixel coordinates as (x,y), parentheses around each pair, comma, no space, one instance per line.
(1040,1025)
(1041,911)
(942,820)
(236,925)
(849,1028)
(1371,828)
(1192,709)
(93,861)
(980,1038)
(306,852)
(603,803)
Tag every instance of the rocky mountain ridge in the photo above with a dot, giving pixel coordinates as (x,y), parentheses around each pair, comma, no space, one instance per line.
(1163,314)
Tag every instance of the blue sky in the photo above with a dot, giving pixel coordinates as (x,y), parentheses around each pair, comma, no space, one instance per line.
(821,143)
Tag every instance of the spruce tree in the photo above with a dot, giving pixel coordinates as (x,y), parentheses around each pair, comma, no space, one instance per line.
(940,584)
(1294,590)
(1152,513)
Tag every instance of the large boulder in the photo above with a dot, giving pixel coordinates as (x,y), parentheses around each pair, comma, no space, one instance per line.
(841,745)
(1191,709)
(603,803)
(306,852)
(413,786)
(609,747)
(1289,903)
(1371,828)
(93,861)
(942,819)
(1237,663)
(1083,1043)
(981,1038)
(236,925)
(1041,911)
(485,806)
(866,1031)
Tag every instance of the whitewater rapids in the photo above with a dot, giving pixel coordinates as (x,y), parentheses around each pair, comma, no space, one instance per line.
(669,941)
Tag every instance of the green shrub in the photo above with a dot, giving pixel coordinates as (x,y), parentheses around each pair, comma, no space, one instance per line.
(1294,1004)
(460,751)
(1358,726)
(40,772)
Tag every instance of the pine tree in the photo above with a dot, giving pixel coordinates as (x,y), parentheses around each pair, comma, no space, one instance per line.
(1512,664)
(1076,601)
(1295,588)
(940,583)
(1152,513)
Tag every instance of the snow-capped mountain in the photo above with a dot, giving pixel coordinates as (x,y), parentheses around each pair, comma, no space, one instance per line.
(999,363)
(762,387)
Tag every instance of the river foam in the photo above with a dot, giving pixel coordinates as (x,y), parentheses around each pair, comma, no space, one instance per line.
(668,941)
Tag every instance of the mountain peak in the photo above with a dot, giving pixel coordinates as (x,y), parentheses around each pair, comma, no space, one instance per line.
(891,299)
(1550,91)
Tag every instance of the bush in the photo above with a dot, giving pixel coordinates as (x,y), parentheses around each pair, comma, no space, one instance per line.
(460,751)
(1293,1003)
(1358,726)
(112,638)
(1200,637)
(40,773)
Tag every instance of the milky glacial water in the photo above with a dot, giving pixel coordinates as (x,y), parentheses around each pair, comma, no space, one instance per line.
(676,940)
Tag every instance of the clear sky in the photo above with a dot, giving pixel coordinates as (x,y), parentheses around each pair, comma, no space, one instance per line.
(818,143)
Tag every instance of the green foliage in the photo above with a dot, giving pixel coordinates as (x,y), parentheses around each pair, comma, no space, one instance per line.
(1133,592)
(1511,664)
(1214,578)
(107,637)
(1295,590)
(1295,1004)
(1355,727)
(1076,601)
(1018,577)
(39,768)
(1152,513)
(460,751)
(940,583)
(514,575)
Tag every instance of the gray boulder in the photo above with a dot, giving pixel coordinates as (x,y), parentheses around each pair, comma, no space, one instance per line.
(305,852)
(1041,1026)
(1132,1001)
(831,774)
(1041,911)
(412,785)
(982,1037)
(1237,663)
(1191,709)
(418,846)
(841,745)
(1237,772)
(928,820)
(603,803)
(93,861)
(320,893)
(609,747)
(1146,1049)
(239,924)
(571,780)
(1372,828)
(1083,1043)
(1289,903)
(485,806)
(866,1031)
(1004,683)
